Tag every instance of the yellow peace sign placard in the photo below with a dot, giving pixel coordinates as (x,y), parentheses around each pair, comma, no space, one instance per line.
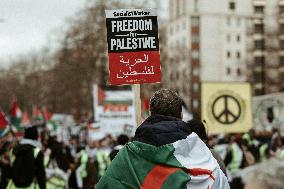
(226,107)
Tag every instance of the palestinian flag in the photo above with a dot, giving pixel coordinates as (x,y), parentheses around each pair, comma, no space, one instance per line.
(16,115)
(25,119)
(93,126)
(52,126)
(184,164)
(37,115)
(3,121)
(145,107)
(47,115)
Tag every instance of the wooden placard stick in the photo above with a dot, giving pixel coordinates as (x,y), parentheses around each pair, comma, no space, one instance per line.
(137,104)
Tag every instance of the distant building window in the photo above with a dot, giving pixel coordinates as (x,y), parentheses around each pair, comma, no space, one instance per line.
(177,27)
(195,54)
(281,9)
(195,72)
(178,8)
(184,6)
(281,60)
(258,92)
(238,38)
(195,21)
(184,74)
(232,6)
(259,60)
(172,76)
(259,44)
(184,90)
(228,21)
(171,30)
(238,21)
(238,55)
(228,38)
(228,71)
(184,24)
(228,54)
(195,87)
(195,5)
(239,72)
(259,28)
(257,77)
(282,79)
(178,45)
(172,15)
(177,75)
(281,28)
(195,39)
(281,44)
(259,9)
(195,104)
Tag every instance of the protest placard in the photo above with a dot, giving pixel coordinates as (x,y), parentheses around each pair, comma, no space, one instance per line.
(133,46)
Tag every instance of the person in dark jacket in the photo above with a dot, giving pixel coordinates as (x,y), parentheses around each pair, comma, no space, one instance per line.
(29,144)
(4,164)
(164,134)
(165,124)
(121,141)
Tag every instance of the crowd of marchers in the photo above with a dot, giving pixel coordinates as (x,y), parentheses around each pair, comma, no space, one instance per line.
(164,152)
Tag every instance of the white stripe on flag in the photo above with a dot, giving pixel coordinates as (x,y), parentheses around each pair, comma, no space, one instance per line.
(193,153)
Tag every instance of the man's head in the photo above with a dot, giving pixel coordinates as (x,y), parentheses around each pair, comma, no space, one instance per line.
(198,127)
(166,102)
(122,139)
(31,133)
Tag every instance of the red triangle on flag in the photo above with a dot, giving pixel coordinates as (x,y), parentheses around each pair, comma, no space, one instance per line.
(3,120)
(26,119)
(47,114)
(15,110)
(36,112)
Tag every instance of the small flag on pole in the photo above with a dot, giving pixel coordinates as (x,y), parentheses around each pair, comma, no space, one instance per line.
(3,121)
(16,115)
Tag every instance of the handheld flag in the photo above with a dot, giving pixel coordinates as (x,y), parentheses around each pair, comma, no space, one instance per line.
(37,115)
(3,121)
(25,119)
(16,115)
(186,163)
(47,115)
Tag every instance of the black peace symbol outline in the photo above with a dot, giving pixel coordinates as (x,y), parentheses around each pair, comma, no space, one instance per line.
(226,111)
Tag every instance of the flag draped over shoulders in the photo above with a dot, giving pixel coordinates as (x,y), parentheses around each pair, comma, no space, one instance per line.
(184,164)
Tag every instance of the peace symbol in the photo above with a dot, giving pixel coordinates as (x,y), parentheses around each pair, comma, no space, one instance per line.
(226,115)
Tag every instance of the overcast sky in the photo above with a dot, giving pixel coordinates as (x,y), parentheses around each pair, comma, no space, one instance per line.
(26,24)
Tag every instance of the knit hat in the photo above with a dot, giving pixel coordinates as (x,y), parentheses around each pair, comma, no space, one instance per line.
(31,133)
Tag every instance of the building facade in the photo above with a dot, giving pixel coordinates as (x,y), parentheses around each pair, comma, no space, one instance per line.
(207,41)
(266,46)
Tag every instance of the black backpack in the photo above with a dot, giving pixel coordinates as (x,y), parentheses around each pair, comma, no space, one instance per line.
(24,168)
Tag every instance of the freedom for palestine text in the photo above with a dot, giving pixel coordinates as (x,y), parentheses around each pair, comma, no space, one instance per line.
(132,34)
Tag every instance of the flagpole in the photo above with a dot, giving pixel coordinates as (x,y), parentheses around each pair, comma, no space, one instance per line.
(137,90)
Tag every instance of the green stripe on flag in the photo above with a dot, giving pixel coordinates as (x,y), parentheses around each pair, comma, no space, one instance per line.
(179,179)
(158,155)
(136,160)
(16,122)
